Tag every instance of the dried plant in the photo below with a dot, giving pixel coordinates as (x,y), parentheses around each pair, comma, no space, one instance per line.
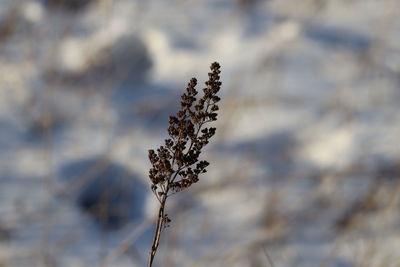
(176,165)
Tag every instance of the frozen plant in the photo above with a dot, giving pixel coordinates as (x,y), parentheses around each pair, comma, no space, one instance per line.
(176,165)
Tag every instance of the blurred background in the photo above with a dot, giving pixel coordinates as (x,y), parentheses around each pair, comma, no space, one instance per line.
(305,166)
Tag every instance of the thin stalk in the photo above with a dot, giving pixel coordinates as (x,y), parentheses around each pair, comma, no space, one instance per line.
(157,232)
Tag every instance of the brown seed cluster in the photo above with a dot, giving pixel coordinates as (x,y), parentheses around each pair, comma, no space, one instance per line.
(176,165)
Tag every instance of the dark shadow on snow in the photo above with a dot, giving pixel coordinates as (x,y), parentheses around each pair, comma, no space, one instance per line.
(111,194)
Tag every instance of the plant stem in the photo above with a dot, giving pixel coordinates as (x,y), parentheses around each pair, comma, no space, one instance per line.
(157,232)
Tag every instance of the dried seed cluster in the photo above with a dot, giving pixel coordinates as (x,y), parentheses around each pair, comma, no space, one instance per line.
(176,165)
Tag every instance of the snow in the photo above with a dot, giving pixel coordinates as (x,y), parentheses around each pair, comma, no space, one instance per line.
(306,139)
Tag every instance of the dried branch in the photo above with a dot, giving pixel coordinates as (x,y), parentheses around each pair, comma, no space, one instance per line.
(176,165)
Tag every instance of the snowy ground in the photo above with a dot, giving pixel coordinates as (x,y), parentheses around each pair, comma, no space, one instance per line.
(305,166)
